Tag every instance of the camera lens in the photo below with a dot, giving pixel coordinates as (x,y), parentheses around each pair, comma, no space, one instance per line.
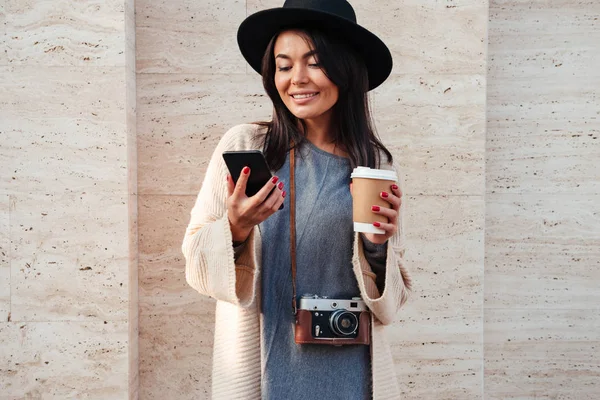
(343,323)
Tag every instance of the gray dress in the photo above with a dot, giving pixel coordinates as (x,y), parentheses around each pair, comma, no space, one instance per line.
(324,234)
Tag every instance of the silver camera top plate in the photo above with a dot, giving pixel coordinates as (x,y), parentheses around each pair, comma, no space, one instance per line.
(315,303)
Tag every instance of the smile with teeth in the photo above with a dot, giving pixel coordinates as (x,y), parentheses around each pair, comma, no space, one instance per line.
(304,96)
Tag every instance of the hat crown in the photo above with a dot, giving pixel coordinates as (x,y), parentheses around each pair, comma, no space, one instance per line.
(340,8)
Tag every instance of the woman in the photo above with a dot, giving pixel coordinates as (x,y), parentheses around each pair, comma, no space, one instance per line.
(317,66)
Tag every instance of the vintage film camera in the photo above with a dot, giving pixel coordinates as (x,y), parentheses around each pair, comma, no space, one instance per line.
(338,322)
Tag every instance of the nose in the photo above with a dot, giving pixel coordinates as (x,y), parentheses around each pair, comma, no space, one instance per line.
(300,76)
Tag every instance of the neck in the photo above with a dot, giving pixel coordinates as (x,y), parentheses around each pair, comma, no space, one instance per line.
(318,134)
(322,138)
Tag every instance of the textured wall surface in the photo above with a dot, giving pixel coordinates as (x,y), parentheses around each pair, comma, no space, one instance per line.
(64,230)
(193,85)
(76,162)
(542,290)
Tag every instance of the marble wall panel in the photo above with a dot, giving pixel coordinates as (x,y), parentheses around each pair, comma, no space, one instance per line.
(542,252)
(543,135)
(542,230)
(69,257)
(132,203)
(4,259)
(3,38)
(63,360)
(432,117)
(545,354)
(445,255)
(435,124)
(163,288)
(425,37)
(437,343)
(176,356)
(130,36)
(133,300)
(557,40)
(188,36)
(181,118)
(439,356)
(177,323)
(66,33)
(72,137)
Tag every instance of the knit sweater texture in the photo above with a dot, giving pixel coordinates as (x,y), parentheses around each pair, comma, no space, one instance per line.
(234,282)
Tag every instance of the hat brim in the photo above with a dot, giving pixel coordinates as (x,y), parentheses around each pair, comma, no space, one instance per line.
(257,30)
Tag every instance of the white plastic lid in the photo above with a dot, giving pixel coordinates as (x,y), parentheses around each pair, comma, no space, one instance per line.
(369,173)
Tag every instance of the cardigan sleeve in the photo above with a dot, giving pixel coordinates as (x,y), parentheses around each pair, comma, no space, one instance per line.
(385,304)
(211,266)
(376,256)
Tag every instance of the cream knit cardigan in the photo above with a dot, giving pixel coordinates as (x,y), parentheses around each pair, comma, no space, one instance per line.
(212,271)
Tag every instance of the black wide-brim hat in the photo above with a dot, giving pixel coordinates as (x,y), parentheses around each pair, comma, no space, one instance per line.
(335,17)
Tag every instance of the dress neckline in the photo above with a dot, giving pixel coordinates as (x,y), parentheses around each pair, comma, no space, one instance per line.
(326,153)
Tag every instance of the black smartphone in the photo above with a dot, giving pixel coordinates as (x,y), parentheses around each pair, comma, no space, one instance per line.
(260,173)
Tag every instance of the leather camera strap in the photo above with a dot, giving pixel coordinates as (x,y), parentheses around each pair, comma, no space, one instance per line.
(293,227)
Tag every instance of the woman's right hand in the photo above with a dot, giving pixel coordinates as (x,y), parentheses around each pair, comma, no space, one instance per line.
(246,212)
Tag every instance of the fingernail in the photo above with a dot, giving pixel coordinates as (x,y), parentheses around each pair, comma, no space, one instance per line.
(283,194)
(376,224)
(246,170)
(280,186)
(395,187)
(275,179)
(375,208)
(384,194)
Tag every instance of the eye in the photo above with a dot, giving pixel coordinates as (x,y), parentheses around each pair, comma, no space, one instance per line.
(284,68)
(315,65)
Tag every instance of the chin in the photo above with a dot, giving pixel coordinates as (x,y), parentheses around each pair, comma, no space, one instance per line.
(304,114)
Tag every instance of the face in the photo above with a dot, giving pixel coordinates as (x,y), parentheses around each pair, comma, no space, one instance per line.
(303,86)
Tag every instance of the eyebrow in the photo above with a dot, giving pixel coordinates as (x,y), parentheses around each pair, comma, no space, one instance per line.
(306,55)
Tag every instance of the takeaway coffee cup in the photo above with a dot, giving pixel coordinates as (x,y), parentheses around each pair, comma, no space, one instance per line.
(367,184)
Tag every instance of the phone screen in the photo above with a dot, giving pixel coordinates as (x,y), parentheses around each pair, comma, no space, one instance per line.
(260,173)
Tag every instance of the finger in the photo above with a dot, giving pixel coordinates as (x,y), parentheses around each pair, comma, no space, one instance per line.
(387,227)
(396,190)
(389,213)
(273,198)
(391,198)
(263,193)
(350,188)
(279,201)
(240,186)
(398,193)
(230,186)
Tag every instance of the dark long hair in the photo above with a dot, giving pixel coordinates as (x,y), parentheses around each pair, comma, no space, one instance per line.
(353,129)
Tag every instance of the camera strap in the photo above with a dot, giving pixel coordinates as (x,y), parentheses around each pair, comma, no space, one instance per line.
(293,227)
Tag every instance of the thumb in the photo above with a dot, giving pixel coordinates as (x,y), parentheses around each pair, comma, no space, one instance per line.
(240,186)
(350,188)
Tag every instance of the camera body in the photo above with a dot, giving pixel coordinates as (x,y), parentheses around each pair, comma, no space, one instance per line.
(321,320)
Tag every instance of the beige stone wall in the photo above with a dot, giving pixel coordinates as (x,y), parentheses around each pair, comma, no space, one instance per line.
(503,227)
(193,85)
(542,290)
(67,92)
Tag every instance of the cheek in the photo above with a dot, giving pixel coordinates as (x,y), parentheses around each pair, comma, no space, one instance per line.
(280,84)
(331,90)
(332,95)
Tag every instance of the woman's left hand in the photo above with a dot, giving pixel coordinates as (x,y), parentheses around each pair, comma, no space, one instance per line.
(394,197)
